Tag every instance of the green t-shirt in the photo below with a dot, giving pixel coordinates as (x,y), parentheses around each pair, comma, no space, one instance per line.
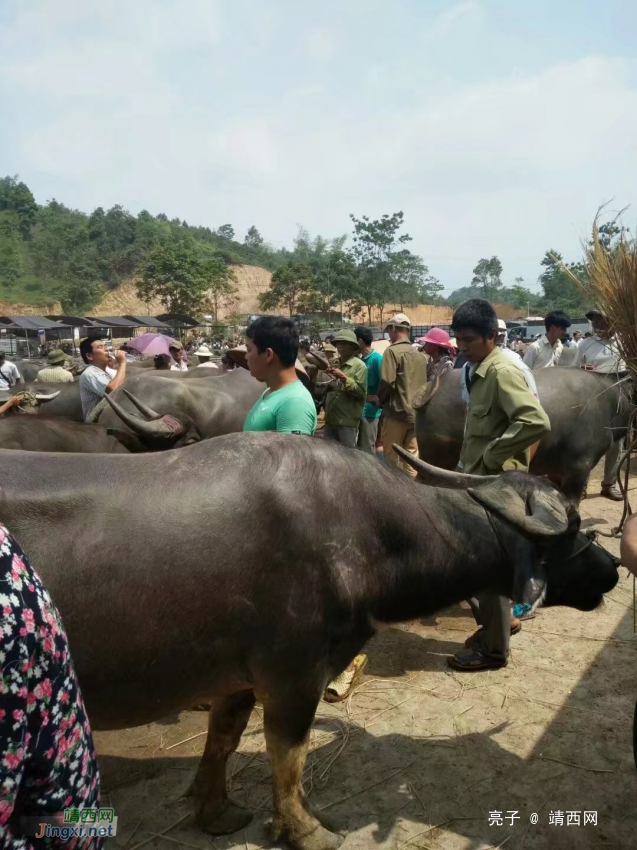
(288,410)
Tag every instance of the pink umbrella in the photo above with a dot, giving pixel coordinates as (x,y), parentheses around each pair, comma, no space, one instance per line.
(151,344)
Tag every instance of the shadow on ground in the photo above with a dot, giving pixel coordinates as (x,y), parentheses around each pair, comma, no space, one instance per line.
(392,786)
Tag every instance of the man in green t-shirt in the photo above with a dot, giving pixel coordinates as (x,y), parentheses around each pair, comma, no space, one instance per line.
(368,431)
(348,393)
(285,406)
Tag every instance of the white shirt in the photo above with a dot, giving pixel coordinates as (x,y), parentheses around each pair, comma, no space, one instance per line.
(209,365)
(9,375)
(182,366)
(541,354)
(93,383)
(514,358)
(602,354)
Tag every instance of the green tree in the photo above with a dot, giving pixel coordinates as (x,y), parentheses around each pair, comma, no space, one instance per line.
(560,291)
(177,274)
(289,286)
(226,231)
(10,254)
(220,283)
(82,287)
(253,238)
(411,282)
(487,275)
(375,242)
(18,198)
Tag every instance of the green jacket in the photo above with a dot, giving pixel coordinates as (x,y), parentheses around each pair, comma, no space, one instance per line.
(346,402)
(504,419)
(402,372)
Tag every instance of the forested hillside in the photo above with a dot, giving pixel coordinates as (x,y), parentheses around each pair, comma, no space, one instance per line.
(51,253)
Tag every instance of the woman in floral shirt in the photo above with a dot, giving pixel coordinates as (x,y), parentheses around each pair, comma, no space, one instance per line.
(437,344)
(47,759)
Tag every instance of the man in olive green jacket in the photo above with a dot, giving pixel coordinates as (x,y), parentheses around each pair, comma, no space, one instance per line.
(347,396)
(504,420)
(402,372)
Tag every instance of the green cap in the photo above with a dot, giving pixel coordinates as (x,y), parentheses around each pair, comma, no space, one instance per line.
(346,336)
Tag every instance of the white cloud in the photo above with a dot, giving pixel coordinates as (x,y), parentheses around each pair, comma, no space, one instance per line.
(322,42)
(460,13)
(110,111)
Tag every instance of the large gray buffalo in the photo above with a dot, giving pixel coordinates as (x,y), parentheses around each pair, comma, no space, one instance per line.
(587,412)
(65,405)
(227,587)
(49,434)
(216,405)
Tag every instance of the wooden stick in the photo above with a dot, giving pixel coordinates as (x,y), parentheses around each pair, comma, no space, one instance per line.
(429,829)
(176,841)
(185,741)
(367,787)
(578,766)
(578,637)
(162,833)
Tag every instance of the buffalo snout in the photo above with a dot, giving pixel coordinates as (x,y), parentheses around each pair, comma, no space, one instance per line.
(579,573)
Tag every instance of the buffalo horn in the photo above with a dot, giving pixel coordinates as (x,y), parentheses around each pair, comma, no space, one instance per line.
(42,397)
(148,412)
(443,477)
(139,426)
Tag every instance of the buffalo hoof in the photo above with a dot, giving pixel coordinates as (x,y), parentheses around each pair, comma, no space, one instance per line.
(230,819)
(318,839)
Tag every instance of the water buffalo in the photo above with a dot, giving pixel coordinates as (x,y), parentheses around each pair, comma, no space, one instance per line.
(43,434)
(587,412)
(232,586)
(65,405)
(48,434)
(216,405)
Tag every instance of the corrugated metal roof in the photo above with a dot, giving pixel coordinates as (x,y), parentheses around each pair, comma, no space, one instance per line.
(75,321)
(178,319)
(32,323)
(149,322)
(115,322)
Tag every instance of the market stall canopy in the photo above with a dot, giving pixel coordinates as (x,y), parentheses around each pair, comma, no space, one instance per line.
(32,323)
(74,321)
(115,322)
(177,319)
(149,322)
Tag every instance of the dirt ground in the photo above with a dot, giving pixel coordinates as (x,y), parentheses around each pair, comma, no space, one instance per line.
(420,756)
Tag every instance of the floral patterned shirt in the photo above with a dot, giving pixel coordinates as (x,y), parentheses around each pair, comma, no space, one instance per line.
(47,759)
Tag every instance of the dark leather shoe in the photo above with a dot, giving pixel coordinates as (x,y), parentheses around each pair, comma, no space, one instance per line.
(612,492)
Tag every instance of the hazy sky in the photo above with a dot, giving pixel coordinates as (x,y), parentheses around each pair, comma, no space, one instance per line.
(497,126)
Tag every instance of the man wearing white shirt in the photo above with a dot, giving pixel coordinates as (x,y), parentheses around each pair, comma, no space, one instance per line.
(178,355)
(599,353)
(98,379)
(9,373)
(547,350)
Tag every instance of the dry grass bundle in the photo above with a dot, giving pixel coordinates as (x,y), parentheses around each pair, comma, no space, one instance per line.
(610,283)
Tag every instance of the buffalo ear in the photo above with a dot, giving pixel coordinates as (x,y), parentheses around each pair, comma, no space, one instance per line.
(541,513)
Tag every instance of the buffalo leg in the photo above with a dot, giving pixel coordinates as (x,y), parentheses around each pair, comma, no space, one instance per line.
(287,724)
(214,812)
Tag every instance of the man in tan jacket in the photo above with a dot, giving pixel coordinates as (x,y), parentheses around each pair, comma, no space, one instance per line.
(402,372)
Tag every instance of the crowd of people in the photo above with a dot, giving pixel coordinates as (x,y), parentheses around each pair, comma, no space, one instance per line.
(49,761)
